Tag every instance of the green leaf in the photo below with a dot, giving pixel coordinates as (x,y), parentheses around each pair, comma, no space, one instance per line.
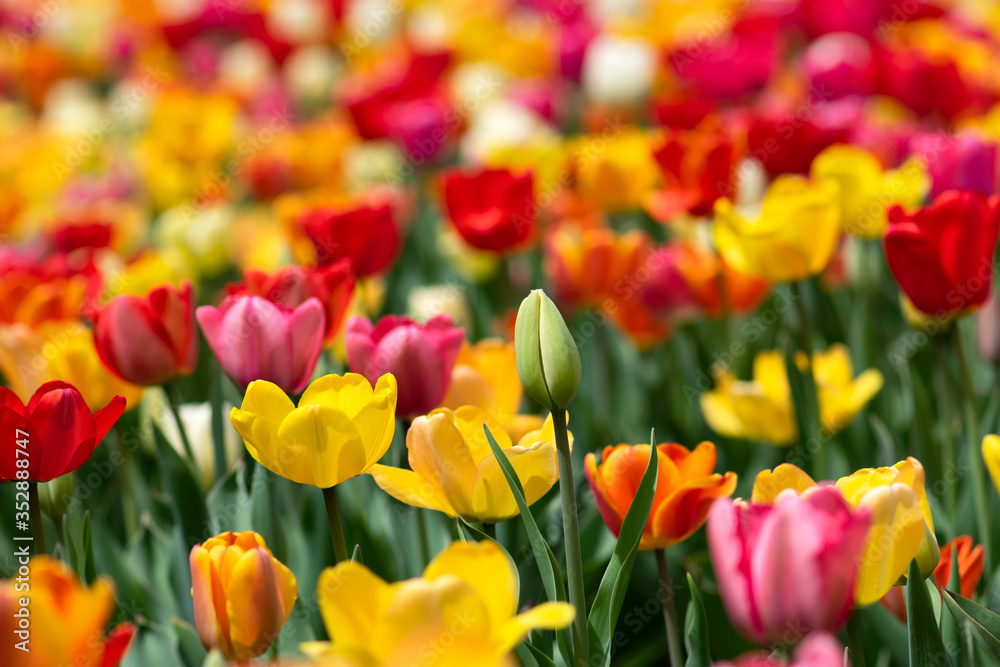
(976,622)
(229,503)
(611,593)
(949,622)
(696,630)
(548,568)
(188,644)
(926,648)
(356,556)
(186,497)
(531,656)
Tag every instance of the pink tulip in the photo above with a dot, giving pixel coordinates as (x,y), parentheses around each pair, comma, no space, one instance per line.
(962,161)
(788,565)
(255,339)
(419,356)
(819,649)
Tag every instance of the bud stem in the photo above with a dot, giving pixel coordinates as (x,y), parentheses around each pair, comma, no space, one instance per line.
(336,528)
(571,538)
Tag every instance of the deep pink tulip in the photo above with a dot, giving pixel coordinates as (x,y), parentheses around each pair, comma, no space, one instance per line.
(958,162)
(819,649)
(788,565)
(254,339)
(420,356)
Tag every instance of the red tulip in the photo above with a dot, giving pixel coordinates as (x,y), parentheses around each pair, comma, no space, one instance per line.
(292,285)
(942,254)
(150,339)
(53,435)
(365,234)
(492,209)
(420,356)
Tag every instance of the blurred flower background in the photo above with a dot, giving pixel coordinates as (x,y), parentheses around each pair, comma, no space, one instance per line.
(261,264)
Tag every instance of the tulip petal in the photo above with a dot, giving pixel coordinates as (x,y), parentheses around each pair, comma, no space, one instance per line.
(259,598)
(63,423)
(896,533)
(352,601)
(546,616)
(537,470)
(438,453)
(408,487)
(202,590)
(319,445)
(470,420)
(769,483)
(468,561)
(685,510)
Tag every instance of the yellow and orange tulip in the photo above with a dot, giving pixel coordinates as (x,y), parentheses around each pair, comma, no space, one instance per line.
(242,594)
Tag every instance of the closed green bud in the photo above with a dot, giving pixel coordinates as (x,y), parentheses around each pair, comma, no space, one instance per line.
(547,359)
(55,496)
(929,554)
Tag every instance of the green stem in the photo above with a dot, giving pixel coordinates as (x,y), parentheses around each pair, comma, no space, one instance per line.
(491,530)
(975,459)
(571,536)
(35,511)
(336,528)
(854,640)
(805,346)
(425,547)
(669,610)
(128,498)
(277,535)
(948,446)
(174,401)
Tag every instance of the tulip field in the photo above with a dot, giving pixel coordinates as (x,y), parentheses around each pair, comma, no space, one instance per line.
(498,333)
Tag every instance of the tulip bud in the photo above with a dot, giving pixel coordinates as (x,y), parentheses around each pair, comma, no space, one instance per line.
(929,554)
(55,496)
(547,359)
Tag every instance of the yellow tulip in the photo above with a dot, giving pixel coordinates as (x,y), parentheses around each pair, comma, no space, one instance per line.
(991,454)
(453,469)
(60,351)
(242,594)
(866,189)
(769,483)
(339,430)
(485,376)
(616,172)
(461,612)
(792,239)
(762,409)
(902,527)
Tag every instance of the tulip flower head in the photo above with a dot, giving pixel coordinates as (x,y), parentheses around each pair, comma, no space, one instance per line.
(68,619)
(150,339)
(493,209)
(793,562)
(293,285)
(468,585)
(57,428)
(761,409)
(420,356)
(942,254)
(242,594)
(364,234)
(685,489)
(453,470)
(818,649)
(339,430)
(548,361)
(254,339)
(991,454)
(792,238)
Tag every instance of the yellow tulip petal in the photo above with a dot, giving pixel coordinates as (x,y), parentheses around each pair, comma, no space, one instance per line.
(469,419)
(536,468)
(319,445)
(769,483)
(469,562)
(438,452)
(352,601)
(376,421)
(896,533)
(260,435)
(408,487)
(911,473)
(267,400)
(991,454)
(546,616)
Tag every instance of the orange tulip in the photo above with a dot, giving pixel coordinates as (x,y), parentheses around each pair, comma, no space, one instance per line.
(242,594)
(685,489)
(36,291)
(66,619)
(590,267)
